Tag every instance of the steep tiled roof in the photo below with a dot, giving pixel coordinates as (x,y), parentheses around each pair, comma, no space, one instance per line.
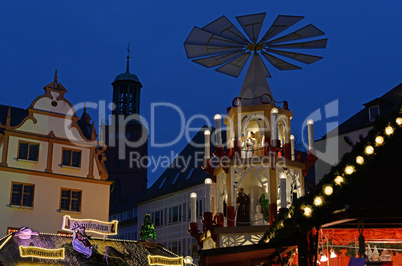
(177,177)
(9,253)
(360,120)
(17,115)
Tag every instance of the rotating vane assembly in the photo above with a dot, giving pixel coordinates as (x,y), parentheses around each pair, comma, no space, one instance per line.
(220,44)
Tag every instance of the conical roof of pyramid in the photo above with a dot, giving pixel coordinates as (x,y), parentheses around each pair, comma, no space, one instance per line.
(255,84)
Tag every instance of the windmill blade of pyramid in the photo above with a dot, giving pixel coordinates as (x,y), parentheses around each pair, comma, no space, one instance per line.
(279,63)
(318,44)
(201,50)
(251,25)
(281,23)
(264,68)
(308,31)
(304,58)
(234,67)
(223,27)
(217,60)
(199,36)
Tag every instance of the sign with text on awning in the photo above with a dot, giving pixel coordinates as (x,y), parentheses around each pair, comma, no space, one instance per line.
(90,225)
(42,253)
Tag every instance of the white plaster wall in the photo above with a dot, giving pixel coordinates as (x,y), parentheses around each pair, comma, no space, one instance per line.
(58,125)
(45,104)
(44,216)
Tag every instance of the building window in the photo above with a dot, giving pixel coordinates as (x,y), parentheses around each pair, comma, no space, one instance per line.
(71,157)
(175,214)
(199,208)
(28,151)
(157,218)
(374,111)
(22,194)
(193,248)
(70,200)
(175,247)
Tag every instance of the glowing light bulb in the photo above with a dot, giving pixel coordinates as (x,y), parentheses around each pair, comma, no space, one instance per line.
(389,130)
(359,160)
(369,150)
(399,121)
(188,260)
(323,257)
(339,180)
(349,170)
(328,190)
(333,254)
(379,140)
(308,211)
(318,201)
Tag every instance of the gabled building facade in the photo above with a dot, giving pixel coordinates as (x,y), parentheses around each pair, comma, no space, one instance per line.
(50,164)
(341,140)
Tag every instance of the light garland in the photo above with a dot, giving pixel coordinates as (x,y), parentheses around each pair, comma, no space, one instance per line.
(389,130)
(379,140)
(338,180)
(328,190)
(349,170)
(369,150)
(359,160)
(318,201)
(308,211)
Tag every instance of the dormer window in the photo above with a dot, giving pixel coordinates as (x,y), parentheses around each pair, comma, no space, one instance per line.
(374,111)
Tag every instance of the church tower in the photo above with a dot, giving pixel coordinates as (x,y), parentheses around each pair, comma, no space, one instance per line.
(126,138)
(126,92)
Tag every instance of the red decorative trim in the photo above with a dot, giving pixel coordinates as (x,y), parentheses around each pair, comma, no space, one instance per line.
(269,96)
(273,215)
(230,212)
(287,151)
(235,100)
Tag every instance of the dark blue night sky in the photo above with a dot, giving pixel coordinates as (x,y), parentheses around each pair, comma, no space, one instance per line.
(86,42)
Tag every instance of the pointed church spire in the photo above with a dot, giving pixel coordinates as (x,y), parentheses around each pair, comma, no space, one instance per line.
(128,58)
(55,77)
